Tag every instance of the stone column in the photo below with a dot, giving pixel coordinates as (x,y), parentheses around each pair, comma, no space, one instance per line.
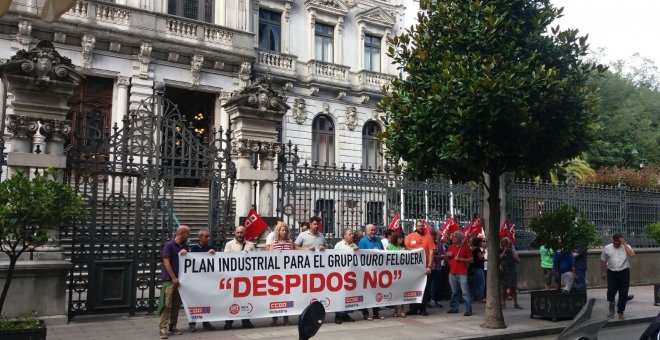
(269,150)
(122,100)
(22,129)
(242,151)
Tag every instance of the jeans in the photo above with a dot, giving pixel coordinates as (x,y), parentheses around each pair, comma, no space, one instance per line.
(618,282)
(580,280)
(478,283)
(459,282)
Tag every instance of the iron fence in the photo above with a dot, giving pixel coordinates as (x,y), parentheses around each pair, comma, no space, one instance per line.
(611,209)
(351,197)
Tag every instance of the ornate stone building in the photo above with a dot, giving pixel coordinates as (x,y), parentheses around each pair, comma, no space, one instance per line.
(328,58)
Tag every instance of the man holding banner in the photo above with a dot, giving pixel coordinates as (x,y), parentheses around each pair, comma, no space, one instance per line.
(415,240)
(239,243)
(170,300)
(345,244)
(311,239)
(203,246)
(370,241)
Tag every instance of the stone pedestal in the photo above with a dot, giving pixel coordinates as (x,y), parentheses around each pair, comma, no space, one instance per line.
(39,287)
(255,113)
(41,82)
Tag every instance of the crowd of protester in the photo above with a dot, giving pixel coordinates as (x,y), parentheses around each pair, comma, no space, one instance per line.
(456,266)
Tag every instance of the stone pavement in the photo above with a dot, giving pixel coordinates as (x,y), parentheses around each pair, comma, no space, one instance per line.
(438,325)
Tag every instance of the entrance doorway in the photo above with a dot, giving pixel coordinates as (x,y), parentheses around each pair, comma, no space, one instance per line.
(197,109)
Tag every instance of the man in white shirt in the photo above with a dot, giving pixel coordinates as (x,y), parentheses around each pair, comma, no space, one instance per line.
(239,243)
(614,259)
(345,244)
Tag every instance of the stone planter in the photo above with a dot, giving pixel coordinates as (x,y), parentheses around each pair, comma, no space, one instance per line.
(25,334)
(656,293)
(555,305)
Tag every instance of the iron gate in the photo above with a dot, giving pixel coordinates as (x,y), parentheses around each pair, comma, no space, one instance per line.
(349,197)
(127,181)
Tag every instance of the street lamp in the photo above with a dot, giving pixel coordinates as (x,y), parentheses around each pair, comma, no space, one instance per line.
(635,154)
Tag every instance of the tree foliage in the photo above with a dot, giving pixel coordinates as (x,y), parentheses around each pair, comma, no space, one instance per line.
(489,88)
(628,116)
(563,228)
(29,208)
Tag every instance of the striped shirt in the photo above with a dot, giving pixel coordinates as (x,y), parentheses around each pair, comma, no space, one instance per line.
(282,246)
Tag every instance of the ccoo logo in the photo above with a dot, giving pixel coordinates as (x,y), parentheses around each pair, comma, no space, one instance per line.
(281,305)
(200,310)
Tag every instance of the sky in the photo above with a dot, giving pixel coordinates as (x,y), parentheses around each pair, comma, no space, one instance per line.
(622,27)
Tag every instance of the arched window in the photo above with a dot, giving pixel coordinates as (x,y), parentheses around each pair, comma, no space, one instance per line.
(323,140)
(371,158)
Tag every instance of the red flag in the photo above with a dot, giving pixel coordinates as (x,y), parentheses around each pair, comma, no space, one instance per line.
(474,228)
(395,225)
(320,215)
(254,225)
(508,229)
(427,227)
(449,227)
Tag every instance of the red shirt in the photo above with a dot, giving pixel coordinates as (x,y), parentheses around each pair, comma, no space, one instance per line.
(459,267)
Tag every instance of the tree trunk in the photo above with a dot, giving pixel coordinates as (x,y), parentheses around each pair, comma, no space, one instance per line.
(10,275)
(494,317)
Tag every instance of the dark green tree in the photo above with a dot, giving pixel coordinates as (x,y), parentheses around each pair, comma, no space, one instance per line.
(489,88)
(628,115)
(29,208)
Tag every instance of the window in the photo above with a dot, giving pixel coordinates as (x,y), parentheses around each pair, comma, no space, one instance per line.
(371,53)
(375,213)
(324,38)
(269,30)
(371,158)
(323,140)
(201,10)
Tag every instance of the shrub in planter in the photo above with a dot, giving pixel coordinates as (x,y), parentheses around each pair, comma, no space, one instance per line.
(653,230)
(561,229)
(29,208)
(22,328)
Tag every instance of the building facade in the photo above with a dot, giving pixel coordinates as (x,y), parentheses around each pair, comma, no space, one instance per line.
(328,58)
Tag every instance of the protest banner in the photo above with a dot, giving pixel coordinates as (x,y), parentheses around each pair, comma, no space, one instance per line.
(245,285)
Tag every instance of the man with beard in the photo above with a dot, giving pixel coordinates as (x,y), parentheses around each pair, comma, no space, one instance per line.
(170,301)
(415,240)
(239,243)
(614,258)
(311,239)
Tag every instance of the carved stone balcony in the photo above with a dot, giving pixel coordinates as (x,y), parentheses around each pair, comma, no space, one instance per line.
(319,72)
(276,60)
(160,28)
(369,81)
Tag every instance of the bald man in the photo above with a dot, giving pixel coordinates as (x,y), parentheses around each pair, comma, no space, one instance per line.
(171,300)
(239,243)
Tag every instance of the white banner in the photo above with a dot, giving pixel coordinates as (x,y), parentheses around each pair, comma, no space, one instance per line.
(244,285)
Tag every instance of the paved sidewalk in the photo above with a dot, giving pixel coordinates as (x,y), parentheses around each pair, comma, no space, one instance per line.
(438,325)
